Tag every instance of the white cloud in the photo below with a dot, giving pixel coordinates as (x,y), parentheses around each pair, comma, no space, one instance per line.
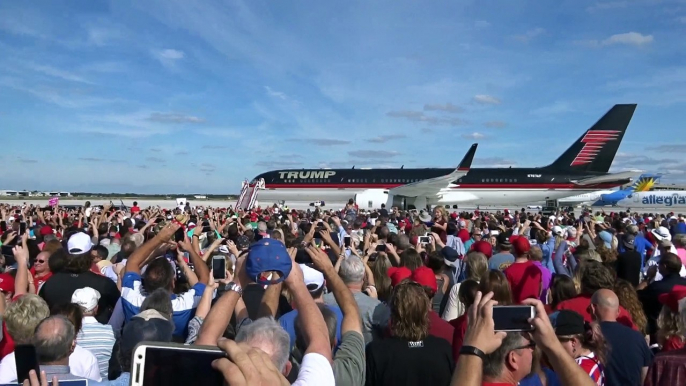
(528,35)
(628,38)
(171,54)
(386,138)
(448,107)
(486,99)
(474,136)
(169,57)
(558,107)
(631,38)
(372,153)
(607,5)
(495,124)
(418,116)
(174,118)
(276,94)
(56,73)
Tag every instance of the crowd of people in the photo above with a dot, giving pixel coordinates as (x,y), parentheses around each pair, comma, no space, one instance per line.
(346,297)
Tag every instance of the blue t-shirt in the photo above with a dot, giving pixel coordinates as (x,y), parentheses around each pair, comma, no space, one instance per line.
(287,321)
(500,261)
(535,380)
(183,305)
(629,353)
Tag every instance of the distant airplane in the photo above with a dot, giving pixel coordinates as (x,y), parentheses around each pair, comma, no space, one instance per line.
(632,196)
(642,184)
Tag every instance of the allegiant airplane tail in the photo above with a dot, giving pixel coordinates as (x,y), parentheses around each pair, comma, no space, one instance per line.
(642,184)
(595,150)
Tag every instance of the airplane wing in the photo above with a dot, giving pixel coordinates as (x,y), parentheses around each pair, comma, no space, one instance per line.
(619,178)
(433,185)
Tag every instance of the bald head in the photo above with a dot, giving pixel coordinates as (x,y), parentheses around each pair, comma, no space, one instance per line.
(605,298)
(605,304)
(54,340)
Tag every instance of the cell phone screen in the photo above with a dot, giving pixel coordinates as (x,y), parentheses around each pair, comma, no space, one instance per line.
(381,248)
(219,267)
(26,360)
(346,241)
(22,228)
(512,318)
(166,366)
(179,235)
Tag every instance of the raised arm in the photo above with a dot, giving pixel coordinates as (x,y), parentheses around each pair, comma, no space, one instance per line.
(133,264)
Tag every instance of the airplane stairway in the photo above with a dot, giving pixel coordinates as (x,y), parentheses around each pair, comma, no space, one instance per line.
(248,195)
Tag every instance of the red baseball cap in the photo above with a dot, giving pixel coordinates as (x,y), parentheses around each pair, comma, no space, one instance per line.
(671,299)
(398,274)
(521,246)
(45,230)
(484,247)
(425,276)
(6,283)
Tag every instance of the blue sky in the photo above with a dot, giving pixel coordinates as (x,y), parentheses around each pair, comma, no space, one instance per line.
(182,96)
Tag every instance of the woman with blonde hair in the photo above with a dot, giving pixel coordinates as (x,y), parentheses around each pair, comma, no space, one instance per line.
(628,298)
(409,344)
(440,225)
(379,267)
(476,265)
(671,324)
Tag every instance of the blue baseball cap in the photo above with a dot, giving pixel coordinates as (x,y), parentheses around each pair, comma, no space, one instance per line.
(268,255)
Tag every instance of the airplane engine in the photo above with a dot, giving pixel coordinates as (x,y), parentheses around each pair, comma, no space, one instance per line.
(373,198)
(456,198)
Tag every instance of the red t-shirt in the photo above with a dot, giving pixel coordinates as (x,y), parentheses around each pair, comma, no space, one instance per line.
(38,281)
(7,343)
(460,325)
(440,232)
(135,209)
(525,280)
(439,327)
(582,305)
(673,343)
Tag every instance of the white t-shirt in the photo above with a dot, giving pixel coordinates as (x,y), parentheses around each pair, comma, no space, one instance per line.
(82,363)
(315,370)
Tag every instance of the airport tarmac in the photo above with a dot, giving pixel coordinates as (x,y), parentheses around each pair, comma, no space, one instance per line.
(298,205)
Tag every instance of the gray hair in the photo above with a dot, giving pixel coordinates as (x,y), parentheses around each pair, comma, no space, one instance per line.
(53,339)
(679,240)
(494,362)
(261,226)
(633,229)
(267,335)
(352,270)
(159,300)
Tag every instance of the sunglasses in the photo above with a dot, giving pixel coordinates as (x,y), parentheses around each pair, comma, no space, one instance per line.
(40,261)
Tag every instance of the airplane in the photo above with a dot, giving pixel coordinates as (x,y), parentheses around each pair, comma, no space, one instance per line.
(652,199)
(642,184)
(582,168)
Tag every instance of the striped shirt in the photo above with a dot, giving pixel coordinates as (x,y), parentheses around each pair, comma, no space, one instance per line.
(592,366)
(98,339)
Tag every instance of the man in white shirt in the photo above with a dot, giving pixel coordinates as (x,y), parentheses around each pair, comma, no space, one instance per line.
(95,337)
(21,317)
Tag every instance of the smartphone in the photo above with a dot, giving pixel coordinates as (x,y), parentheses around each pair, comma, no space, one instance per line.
(513,318)
(22,228)
(162,364)
(318,242)
(424,239)
(25,355)
(179,235)
(381,248)
(219,267)
(346,241)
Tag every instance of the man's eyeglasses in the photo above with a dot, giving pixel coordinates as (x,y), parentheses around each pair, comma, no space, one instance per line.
(531,345)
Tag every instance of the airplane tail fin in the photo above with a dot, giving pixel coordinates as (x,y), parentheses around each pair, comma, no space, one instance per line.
(643,183)
(595,150)
(466,162)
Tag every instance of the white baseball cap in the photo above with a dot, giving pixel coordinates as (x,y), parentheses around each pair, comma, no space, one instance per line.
(79,243)
(312,278)
(87,298)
